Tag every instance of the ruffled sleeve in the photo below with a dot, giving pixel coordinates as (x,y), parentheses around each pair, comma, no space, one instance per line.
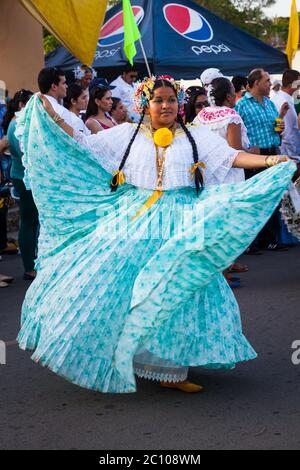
(109,146)
(218,120)
(235,119)
(215,152)
(218,124)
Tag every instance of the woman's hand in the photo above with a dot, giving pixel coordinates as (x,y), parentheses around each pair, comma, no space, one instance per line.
(57,119)
(250,161)
(284,158)
(47,105)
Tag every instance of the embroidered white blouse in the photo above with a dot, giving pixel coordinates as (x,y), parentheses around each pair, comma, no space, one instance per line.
(140,168)
(217,119)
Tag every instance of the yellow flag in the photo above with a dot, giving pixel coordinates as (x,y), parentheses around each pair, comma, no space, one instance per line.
(75,23)
(293,39)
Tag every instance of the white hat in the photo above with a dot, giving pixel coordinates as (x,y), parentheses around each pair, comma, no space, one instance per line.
(276,82)
(209,75)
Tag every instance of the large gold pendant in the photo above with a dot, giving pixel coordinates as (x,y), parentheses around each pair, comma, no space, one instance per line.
(162,138)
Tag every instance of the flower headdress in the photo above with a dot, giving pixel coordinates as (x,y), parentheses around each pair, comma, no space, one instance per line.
(81,70)
(210,96)
(144,89)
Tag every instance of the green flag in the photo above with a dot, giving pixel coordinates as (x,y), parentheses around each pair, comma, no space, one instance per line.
(131,31)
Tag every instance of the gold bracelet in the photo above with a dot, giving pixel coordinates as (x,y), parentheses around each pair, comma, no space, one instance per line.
(271,161)
(57,119)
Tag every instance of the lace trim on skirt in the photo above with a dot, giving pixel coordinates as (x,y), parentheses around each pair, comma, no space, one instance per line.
(162,374)
(149,366)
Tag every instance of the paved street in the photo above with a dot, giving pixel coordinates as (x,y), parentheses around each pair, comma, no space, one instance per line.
(255,406)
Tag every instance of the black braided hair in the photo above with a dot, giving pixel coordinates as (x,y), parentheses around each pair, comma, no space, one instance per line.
(198,173)
(114,181)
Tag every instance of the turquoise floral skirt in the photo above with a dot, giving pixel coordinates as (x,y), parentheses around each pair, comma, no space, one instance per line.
(115,297)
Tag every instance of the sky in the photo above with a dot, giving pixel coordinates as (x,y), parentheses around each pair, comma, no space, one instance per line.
(281,8)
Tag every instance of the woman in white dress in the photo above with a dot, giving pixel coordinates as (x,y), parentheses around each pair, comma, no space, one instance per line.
(222,119)
(129,272)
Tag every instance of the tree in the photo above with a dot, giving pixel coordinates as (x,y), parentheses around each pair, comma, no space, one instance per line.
(252,4)
(245,14)
(50,42)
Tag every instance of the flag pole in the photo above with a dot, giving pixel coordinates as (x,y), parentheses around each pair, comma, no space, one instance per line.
(132,34)
(145,58)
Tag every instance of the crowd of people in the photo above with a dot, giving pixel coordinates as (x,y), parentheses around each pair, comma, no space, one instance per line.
(250,113)
(88,105)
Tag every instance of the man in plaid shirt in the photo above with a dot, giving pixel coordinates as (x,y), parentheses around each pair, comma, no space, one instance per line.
(259,115)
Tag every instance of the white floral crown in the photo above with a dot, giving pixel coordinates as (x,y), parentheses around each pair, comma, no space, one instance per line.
(210,96)
(80,71)
(144,89)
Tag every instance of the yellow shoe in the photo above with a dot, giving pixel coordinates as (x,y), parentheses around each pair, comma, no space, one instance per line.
(186,386)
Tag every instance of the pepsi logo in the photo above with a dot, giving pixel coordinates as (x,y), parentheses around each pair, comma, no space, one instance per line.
(188,23)
(112,31)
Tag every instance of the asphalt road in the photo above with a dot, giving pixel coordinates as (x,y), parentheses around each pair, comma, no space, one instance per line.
(255,406)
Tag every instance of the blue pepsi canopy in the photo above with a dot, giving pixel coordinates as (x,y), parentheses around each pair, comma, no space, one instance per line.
(180,39)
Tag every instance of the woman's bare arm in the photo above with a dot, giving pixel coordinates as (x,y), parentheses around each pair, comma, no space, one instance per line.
(59,121)
(249,161)
(93,126)
(234,136)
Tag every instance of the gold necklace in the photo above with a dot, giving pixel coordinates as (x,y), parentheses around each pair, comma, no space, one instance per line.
(160,159)
(160,164)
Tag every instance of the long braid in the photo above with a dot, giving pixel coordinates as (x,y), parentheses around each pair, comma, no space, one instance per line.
(114,182)
(198,174)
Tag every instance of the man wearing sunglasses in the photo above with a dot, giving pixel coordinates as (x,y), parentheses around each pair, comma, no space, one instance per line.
(124,89)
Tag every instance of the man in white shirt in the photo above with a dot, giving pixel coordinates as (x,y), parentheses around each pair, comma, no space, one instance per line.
(124,90)
(52,83)
(291,136)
